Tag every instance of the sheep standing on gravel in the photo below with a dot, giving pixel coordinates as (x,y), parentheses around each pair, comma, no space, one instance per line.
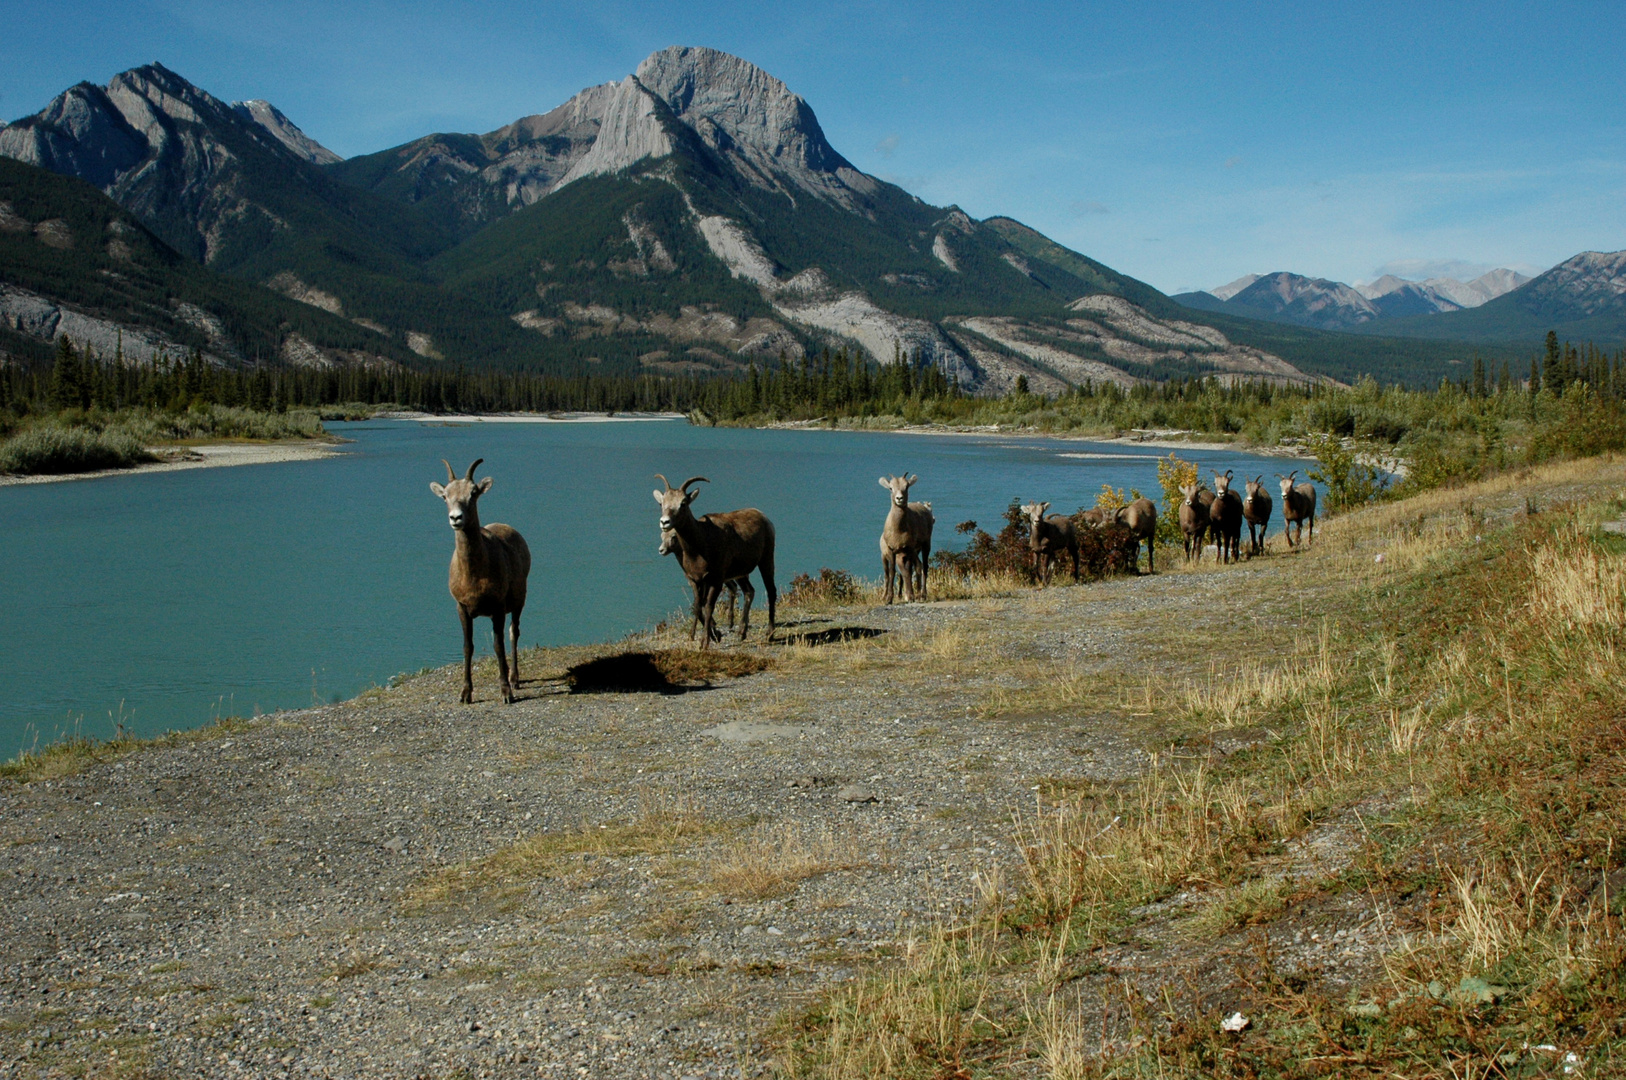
(1298,506)
(490,566)
(1194,518)
(906,538)
(1225,519)
(1048,537)
(715,550)
(1256,507)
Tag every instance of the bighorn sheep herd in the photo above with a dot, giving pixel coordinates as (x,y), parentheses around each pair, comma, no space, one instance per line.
(720,551)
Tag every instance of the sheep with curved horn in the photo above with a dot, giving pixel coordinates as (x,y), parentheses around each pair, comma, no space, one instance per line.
(1298,506)
(490,566)
(717,549)
(1225,517)
(1256,507)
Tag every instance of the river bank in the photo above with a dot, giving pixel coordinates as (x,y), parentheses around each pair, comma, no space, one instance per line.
(656,874)
(203,456)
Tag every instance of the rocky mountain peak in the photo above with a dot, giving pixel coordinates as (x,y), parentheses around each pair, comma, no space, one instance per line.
(747,115)
(739,111)
(285,131)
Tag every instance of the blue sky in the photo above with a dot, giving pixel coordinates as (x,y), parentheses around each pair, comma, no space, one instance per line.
(1185,144)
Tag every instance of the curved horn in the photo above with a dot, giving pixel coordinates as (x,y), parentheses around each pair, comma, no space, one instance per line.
(664,482)
(693,480)
(451,477)
(1228,473)
(476,465)
(1292,474)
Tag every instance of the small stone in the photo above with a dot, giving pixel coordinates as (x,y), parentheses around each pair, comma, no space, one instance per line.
(775,931)
(804,782)
(395,844)
(856,793)
(1234,1023)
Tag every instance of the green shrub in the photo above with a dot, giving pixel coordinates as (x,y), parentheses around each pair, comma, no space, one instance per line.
(55,450)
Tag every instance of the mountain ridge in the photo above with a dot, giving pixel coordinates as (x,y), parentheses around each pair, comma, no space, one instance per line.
(689,217)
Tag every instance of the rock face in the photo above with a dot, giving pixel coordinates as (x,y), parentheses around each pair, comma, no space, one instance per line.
(285,131)
(1590,284)
(1328,305)
(689,216)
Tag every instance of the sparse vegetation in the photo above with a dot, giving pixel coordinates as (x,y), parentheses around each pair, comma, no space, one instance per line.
(1477,761)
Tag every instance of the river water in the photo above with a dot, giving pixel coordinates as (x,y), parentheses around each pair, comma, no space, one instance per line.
(164,600)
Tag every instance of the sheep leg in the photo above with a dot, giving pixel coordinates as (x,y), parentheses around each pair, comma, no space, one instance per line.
(513,649)
(765,568)
(1151,554)
(886,572)
(925,563)
(502,657)
(745,617)
(1073,550)
(733,598)
(908,560)
(467,619)
(710,604)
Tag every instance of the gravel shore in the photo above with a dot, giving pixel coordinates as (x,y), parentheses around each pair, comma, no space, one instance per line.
(630,884)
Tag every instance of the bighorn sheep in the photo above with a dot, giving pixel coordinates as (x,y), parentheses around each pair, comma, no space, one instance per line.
(1048,537)
(717,549)
(1298,506)
(669,546)
(1225,519)
(487,578)
(1194,518)
(1140,518)
(1256,507)
(906,538)
(1095,517)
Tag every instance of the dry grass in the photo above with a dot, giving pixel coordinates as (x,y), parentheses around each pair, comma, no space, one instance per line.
(773,859)
(1480,667)
(665,823)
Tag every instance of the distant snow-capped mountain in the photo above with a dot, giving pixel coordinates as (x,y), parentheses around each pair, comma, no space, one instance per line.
(1333,305)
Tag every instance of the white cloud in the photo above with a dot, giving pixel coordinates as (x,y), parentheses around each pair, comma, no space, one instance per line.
(1082,208)
(887,146)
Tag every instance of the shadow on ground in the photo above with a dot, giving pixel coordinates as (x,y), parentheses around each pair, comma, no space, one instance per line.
(833,636)
(665,671)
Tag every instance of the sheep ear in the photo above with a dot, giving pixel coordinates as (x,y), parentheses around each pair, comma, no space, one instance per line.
(483,486)
(440,492)
(884,482)
(912,480)
(1043,507)
(658,497)
(691,496)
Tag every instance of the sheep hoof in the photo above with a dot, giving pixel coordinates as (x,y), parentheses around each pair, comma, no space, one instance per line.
(467,696)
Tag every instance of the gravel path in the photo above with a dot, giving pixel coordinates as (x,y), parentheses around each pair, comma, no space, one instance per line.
(609,884)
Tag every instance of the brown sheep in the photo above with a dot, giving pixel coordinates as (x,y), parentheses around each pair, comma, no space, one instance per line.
(1048,537)
(1256,507)
(669,546)
(1140,518)
(906,538)
(1225,519)
(1194,518)
(487,579)
(717,549)
(1298,506)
